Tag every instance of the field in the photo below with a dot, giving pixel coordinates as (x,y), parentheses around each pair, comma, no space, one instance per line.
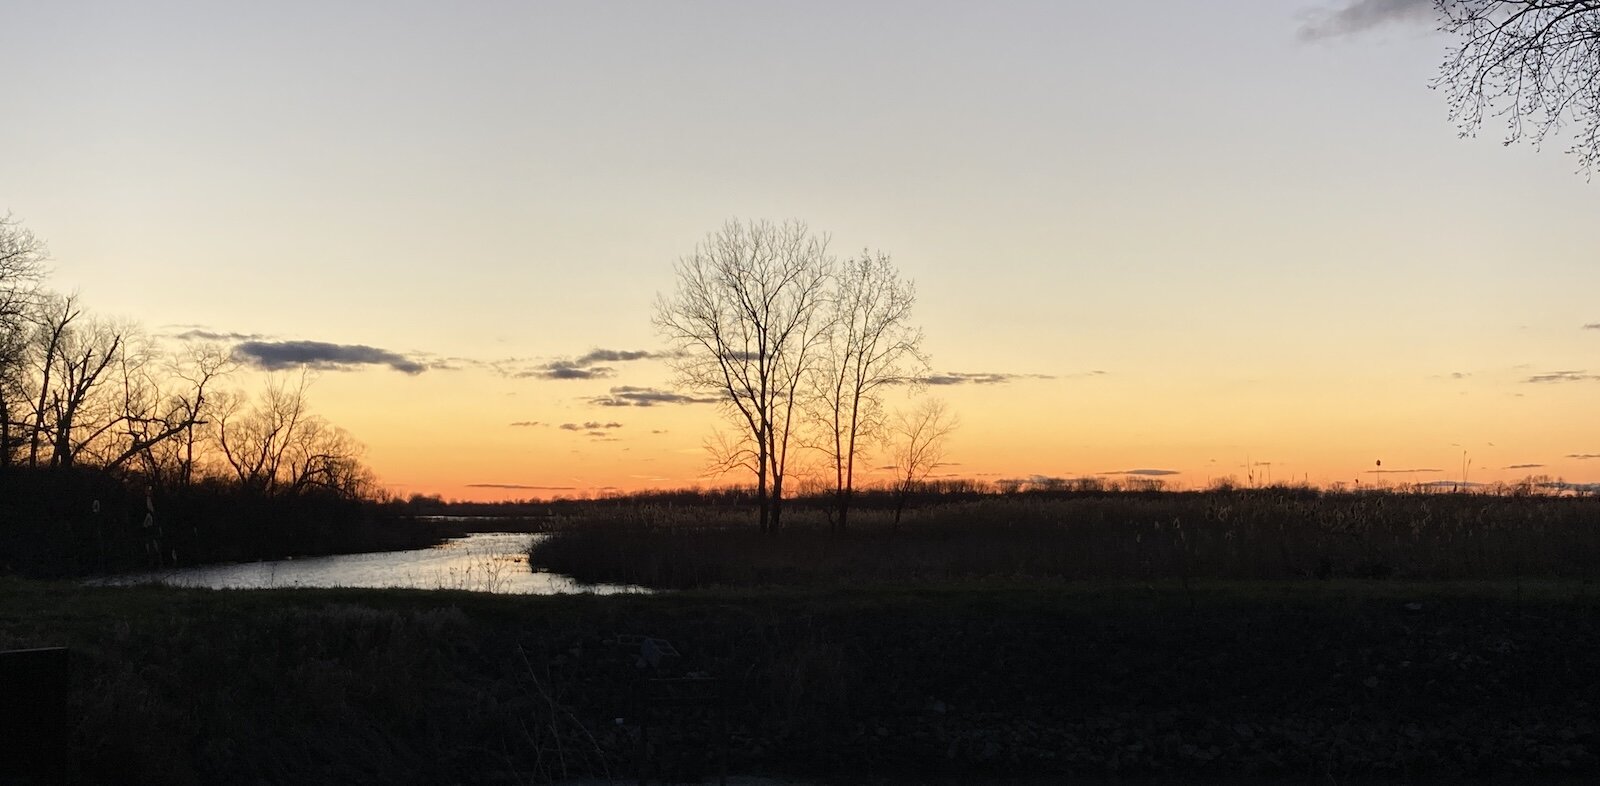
(1251,534)
(984,640)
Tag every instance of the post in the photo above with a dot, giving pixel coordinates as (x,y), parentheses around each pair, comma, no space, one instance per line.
(33,715)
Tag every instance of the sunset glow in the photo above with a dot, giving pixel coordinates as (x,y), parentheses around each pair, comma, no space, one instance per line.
(1180,240)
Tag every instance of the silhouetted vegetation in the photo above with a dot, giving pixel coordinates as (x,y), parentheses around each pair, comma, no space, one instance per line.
(70,522)
(1300,682)
(1271,533)
(119,450)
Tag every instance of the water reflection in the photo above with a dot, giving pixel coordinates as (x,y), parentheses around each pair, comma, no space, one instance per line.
(482,562)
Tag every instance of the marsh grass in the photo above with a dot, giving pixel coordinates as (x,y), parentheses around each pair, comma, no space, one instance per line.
(1275,533)
(950,682)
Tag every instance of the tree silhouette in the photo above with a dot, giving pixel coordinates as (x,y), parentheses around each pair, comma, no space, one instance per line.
(871,345)
(1535,64)
(748,319)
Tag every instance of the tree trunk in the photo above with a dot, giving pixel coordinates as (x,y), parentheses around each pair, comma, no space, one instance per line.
(5,432)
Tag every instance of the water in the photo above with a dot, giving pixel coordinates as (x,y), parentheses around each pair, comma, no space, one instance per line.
(482,562)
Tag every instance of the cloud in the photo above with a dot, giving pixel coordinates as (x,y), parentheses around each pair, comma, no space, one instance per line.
(1525,466)
(1583,456)
(1153,473)
(1402,471)
(1592,326)
(530,423)
(1451,484)
(1356,16)
(630,396)
(979,377)
(585,366)
(1563,376)
(519,487)
(275,355)
(562,369)
(203,334)
(592,426)
(618,356)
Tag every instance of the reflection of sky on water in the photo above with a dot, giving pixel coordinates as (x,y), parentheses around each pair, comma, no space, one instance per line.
(482,562)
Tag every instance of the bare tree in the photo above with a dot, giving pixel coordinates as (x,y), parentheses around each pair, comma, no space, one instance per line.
(70,358)
(1534,63)
(871,345)
(163,409)
(277,446)
(196,369)
(917,447)
(22,265)
(748,318)
(78,415)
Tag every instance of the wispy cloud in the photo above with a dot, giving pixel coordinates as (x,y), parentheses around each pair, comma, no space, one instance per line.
(1525,466)
(1583,456)
(529,423)
(631,396)
(1153,473)
(593,425)
(203,334)
(981,377)
(519,487)
(1563,376)
(562,370)
(618,356)
(1451,484)
(585,366)
(1592,326)
(1416,471)
(1356,16)
(276,355)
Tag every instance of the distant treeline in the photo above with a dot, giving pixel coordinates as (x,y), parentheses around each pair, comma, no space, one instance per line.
(932,492)
(79,521)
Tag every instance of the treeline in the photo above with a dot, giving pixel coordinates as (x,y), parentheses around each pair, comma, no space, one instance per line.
(119,449)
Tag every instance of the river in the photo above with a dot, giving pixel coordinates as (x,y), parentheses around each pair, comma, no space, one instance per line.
(481,562)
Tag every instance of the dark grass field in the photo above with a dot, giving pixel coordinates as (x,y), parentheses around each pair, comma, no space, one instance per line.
(1298,681)
(1254,534)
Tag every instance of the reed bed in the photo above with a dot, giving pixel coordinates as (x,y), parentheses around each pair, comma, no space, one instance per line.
(1286,533)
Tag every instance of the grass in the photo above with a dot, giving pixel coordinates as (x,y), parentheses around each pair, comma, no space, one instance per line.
(1249,534)
(962,680)
(1279,635)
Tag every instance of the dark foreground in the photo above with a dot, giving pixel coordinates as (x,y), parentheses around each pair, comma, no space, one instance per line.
(1389,681)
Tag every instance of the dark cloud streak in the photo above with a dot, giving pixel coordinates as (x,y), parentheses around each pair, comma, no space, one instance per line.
(519,487)
(1356,16)
(631,396)
(278,355)
(1562,376)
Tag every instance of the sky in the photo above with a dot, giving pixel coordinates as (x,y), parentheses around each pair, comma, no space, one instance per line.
(1175,238)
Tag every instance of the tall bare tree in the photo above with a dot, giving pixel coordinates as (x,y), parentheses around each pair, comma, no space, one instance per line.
(1533,63)
(872,344)
(748,317)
